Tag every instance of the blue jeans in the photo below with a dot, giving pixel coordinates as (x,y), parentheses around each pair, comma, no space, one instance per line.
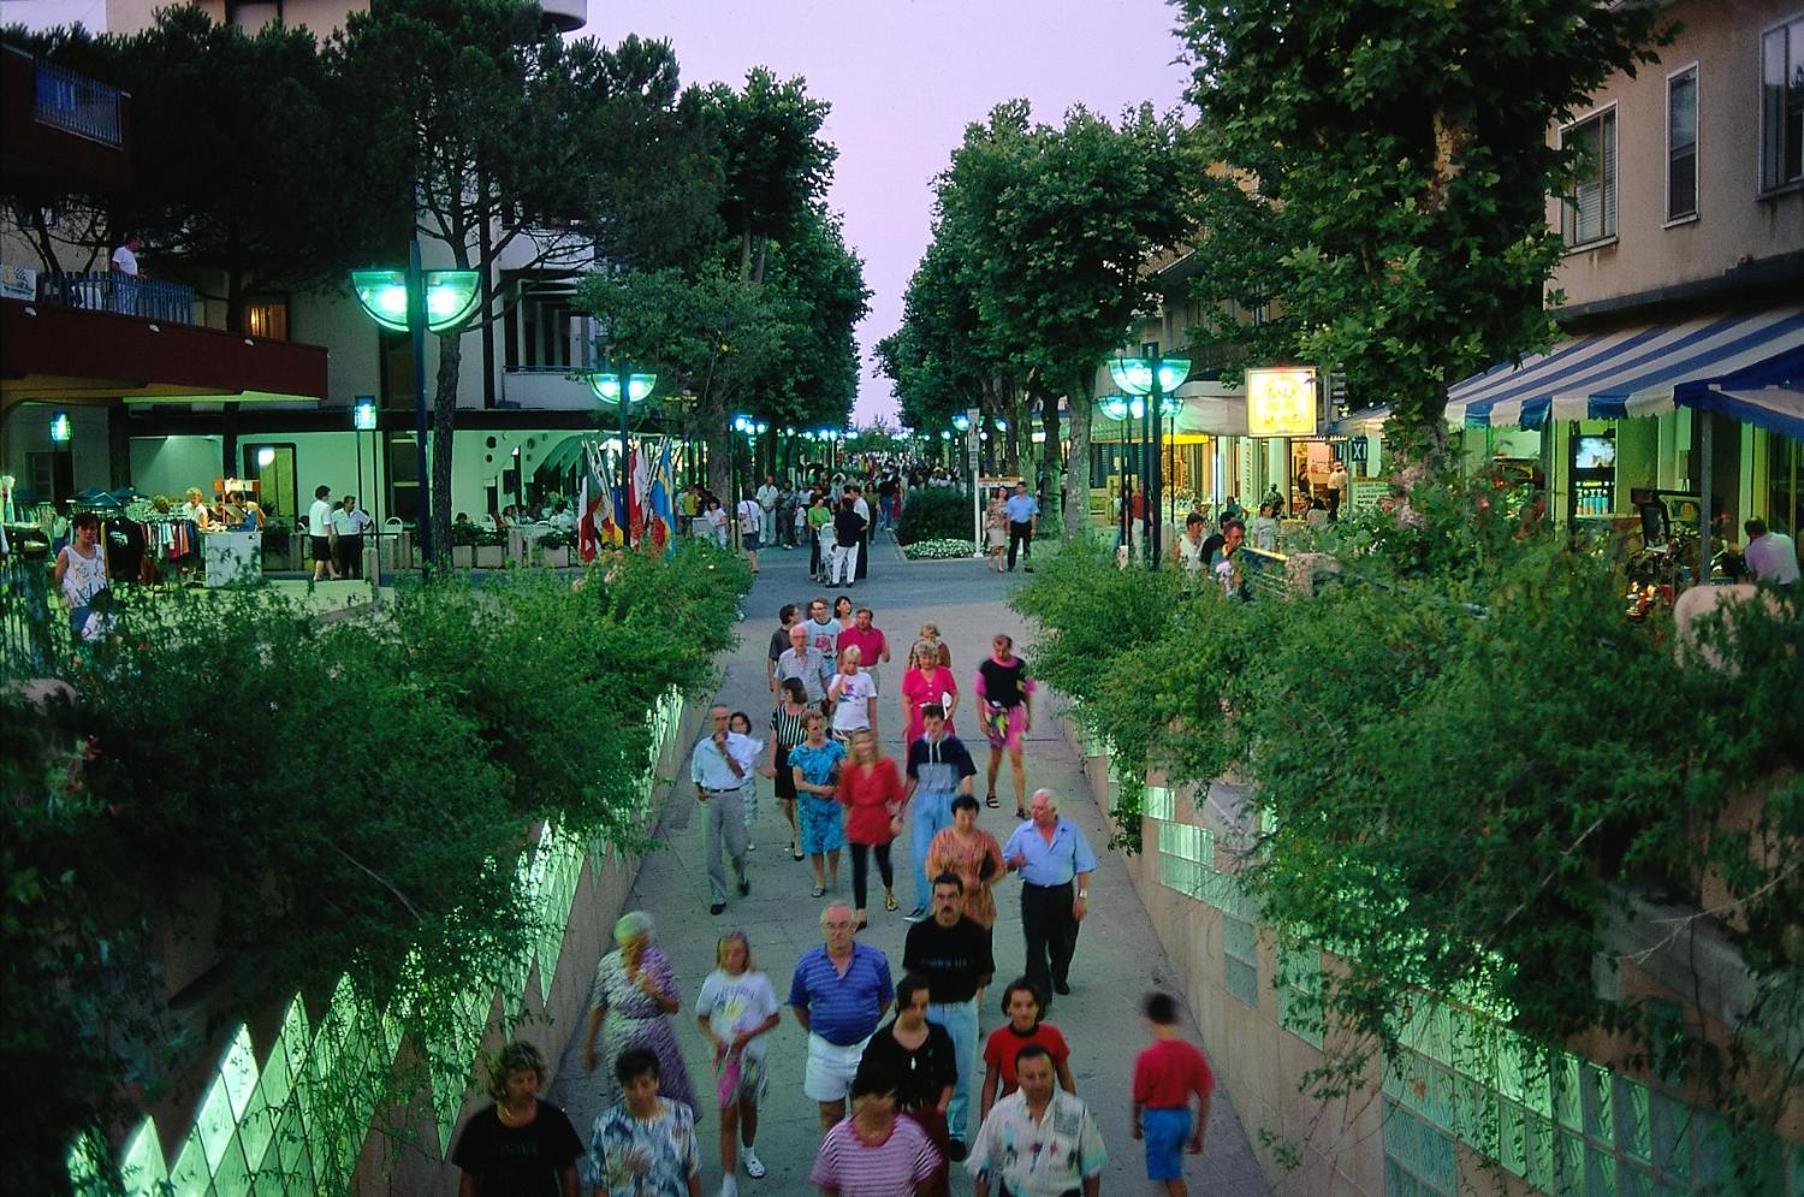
(960,1021)
(932,812)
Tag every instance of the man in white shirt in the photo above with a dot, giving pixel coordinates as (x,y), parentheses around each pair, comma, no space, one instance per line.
(348,522)
(1771,556)
(768,496)
(319,533)
(750,515)
(719,767)
(124,275)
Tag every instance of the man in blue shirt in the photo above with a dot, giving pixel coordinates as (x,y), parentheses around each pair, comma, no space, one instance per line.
(839,993)
(1055,863)
(1023,516)
(719,769)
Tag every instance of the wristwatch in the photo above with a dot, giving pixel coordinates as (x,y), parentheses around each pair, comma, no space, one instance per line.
(1083,895)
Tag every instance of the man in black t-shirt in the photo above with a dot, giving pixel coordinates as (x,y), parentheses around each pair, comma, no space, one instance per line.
(952,954)
(779,644)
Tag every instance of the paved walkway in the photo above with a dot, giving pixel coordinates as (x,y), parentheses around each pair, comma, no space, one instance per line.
(1118,955)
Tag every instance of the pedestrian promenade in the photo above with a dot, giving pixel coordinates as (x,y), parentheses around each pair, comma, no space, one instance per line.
(1118,956)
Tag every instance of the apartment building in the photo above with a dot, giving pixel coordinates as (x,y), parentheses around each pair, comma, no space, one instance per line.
(518,402)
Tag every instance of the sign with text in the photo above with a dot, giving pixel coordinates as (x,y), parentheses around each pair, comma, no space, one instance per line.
(1281,401)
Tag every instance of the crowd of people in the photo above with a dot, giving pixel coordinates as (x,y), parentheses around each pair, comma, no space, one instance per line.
(905,1083)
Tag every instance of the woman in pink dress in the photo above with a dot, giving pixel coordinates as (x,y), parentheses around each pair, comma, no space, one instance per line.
(926,681)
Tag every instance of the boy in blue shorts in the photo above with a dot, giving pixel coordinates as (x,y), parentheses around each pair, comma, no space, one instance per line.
(1166,1073)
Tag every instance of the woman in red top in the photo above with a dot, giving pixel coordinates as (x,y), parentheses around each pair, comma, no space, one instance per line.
(926,681)
(871,788)
(1021,1002)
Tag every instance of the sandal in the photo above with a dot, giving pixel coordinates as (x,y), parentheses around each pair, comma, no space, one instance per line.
(795,850)
(1019,813)
(820,891)
(991,802)
(890,903)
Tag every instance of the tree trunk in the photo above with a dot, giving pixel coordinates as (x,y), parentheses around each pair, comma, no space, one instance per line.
(1051,458)
(763,245)
(711,409)
(745,256)
(1077,477)
(444,431)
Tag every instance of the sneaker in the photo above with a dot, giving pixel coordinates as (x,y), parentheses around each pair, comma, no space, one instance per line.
(749,846)
(729,1187)
(754,1167)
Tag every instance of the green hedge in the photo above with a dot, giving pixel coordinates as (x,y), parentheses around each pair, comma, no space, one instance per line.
(934,513)
(1465,757)
(346,788)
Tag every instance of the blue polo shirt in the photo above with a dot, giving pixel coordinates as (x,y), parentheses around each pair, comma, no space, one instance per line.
(1021,508)
(842,1010)
(1055,863)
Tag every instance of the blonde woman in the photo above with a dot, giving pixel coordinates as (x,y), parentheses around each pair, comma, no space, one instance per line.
(736,1011)
(928,680)
(871,789)
(853,695)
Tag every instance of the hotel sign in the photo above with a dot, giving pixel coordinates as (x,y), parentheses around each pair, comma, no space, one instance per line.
(1281,401)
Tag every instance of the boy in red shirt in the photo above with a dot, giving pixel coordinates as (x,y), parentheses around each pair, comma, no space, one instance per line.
(1166,1073)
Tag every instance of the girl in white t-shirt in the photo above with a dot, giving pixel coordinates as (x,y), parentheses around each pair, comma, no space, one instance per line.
(737,1007)
(854,696)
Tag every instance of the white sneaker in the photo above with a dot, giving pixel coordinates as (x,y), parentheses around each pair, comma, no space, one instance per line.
(754,1167)
(729,1187)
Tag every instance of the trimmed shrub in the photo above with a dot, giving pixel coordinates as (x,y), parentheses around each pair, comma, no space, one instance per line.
(939,513)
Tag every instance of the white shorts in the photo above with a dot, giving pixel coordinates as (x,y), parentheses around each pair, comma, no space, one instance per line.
(831,1068)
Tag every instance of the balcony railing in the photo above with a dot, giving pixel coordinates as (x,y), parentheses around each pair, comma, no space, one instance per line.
(123,294)
(79,105)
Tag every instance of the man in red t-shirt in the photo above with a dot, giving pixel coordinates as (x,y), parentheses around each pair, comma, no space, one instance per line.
(1166,1073)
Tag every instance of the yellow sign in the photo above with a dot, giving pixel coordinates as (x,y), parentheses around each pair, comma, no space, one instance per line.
(1281,401)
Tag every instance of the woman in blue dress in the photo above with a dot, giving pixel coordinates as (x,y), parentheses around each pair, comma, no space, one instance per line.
(815,763)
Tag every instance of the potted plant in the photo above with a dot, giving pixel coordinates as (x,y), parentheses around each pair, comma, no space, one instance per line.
(463,544)
(278,548)
(554,548)
(491,548)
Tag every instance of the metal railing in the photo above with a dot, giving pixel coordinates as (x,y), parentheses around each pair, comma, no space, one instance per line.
(26,645)
(78,104)
(123,294)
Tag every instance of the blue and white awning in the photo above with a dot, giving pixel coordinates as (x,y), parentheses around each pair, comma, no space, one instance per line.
(1748,365)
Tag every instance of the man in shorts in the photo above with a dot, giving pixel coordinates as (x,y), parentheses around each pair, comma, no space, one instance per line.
(319,534)
(840,992)
(1166,1074)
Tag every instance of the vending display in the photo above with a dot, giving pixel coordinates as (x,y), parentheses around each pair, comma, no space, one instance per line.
(1593,476)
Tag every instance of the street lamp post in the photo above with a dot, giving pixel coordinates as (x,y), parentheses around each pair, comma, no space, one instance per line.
(363,419)
(751,429)
(412,301)
(1124,410)
(625,388)
(1154,377)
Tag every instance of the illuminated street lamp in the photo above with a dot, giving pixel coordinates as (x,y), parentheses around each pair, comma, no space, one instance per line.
(751,429)
(625,388)
(1155,377)
(413,301)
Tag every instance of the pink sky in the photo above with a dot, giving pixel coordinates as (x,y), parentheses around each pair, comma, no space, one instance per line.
(905,77)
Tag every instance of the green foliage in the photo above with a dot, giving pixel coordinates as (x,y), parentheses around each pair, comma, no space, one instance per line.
(934,513)
(1388,172)
(1436,807)
(308,800)
(1035,274)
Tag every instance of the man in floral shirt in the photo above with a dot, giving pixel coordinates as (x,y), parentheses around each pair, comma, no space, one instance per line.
(1039,1141)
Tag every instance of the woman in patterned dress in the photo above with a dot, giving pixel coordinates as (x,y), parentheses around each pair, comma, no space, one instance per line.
(973,853)
(815,764)
(645,1145)
(634,991)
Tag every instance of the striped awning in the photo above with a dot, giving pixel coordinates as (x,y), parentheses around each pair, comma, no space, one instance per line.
(1642,371)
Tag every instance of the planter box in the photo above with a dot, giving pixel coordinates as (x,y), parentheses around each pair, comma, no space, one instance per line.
(463,556)
(491,556)
(558,558)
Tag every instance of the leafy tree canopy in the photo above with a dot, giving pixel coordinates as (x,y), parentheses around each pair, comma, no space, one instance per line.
(1389,169)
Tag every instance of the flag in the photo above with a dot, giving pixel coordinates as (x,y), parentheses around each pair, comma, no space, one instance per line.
(640,478)
(593,528)
(661,523)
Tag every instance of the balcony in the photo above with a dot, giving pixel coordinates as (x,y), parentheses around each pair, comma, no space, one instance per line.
(79,105)
(122,294)
(60,130)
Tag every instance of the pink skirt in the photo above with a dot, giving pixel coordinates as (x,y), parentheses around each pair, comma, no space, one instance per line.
(1004,726)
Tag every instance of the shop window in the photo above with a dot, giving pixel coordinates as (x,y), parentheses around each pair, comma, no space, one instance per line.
(267,318)
(1782,105)
(1240,950)
(1682,145)
(272,467)
(1589,213)
(1785,484)
(403,476)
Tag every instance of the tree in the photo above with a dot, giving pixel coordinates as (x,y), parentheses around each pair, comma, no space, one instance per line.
(1059,225)
(309,193)
(776,165)
(706,332)
(1389,168)
(515,138)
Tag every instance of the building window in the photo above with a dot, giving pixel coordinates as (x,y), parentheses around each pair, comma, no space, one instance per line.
(544,332)
(267,318)
(1300,993)
(1590,212)
(1782,105)
(1240,952)
(1682,145)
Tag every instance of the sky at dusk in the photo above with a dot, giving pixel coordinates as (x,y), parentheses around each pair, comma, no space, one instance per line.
(904,78)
